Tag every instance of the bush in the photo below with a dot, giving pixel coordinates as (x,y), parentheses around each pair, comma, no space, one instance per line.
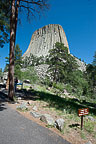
(30,74)
(59,86)
(47,81)
(69,88)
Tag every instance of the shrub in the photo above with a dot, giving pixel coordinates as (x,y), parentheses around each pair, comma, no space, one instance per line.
(59,86)
(30,74)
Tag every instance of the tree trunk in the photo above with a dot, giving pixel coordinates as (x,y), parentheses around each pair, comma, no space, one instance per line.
(12,45)
(13,27)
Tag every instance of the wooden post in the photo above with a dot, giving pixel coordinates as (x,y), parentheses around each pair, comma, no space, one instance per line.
(81,122)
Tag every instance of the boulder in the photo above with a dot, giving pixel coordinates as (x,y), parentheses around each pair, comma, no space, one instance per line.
(35,114)
(59,124)
(47,119)
(34,108)
(22,106)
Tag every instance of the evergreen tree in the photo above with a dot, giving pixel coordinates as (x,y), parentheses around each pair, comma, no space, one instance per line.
(5,6)
(1,72)
(60,62)
(18,61)
(18,55)
(91,76)
(7,64)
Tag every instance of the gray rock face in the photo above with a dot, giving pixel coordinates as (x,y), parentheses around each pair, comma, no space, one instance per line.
(81,64)
(41,70)
(44,39)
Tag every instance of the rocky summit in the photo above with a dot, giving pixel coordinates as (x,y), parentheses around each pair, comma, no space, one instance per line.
(45,38)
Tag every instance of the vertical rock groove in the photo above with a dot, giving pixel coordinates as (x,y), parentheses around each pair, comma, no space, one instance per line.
(45,38)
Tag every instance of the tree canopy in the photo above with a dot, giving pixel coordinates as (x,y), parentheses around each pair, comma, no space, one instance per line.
(60,62)
(5,7)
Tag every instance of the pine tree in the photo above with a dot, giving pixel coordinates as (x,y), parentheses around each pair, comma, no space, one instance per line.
(94,60)
(18,61)
(60,62)
(4,21)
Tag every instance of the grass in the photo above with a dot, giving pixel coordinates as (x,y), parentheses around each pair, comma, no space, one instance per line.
(66,108)
(83,135)
(66,105)
(89,126)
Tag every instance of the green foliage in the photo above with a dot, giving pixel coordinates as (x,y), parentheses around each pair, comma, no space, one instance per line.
(29,74)
(47,81)
(94,60)
(18,72)
(91,78)
(17,60)
(33,61)
(60,63)
(63,68)
(4,21)
(18,56)
(7,64)
(68,87)
(59,86)
(79,83)
(1,73)
(89,126)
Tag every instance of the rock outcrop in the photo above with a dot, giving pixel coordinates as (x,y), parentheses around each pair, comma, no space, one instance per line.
(44,39)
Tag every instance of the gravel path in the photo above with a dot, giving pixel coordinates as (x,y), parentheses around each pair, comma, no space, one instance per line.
(16,129)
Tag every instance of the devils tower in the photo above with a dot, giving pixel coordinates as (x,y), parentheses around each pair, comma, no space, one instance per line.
(45,38)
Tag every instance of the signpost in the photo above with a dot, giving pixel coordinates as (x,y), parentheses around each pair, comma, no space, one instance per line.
(82,112)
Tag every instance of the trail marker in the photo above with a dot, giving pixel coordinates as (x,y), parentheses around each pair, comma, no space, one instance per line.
(82,112)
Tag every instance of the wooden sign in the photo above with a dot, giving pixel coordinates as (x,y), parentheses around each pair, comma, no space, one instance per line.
(82,112)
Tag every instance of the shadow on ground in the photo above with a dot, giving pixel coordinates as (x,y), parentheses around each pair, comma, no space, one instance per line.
(3,99)
(70,105)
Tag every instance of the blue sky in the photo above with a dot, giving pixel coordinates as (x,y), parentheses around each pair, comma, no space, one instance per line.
(78,19)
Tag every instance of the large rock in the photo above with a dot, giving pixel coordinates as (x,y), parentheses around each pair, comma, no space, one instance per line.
(47,119)
(22,106)
(59,124)
(44,39)
(35,114)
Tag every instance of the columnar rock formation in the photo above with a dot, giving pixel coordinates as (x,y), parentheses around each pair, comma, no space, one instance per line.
(44,39)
